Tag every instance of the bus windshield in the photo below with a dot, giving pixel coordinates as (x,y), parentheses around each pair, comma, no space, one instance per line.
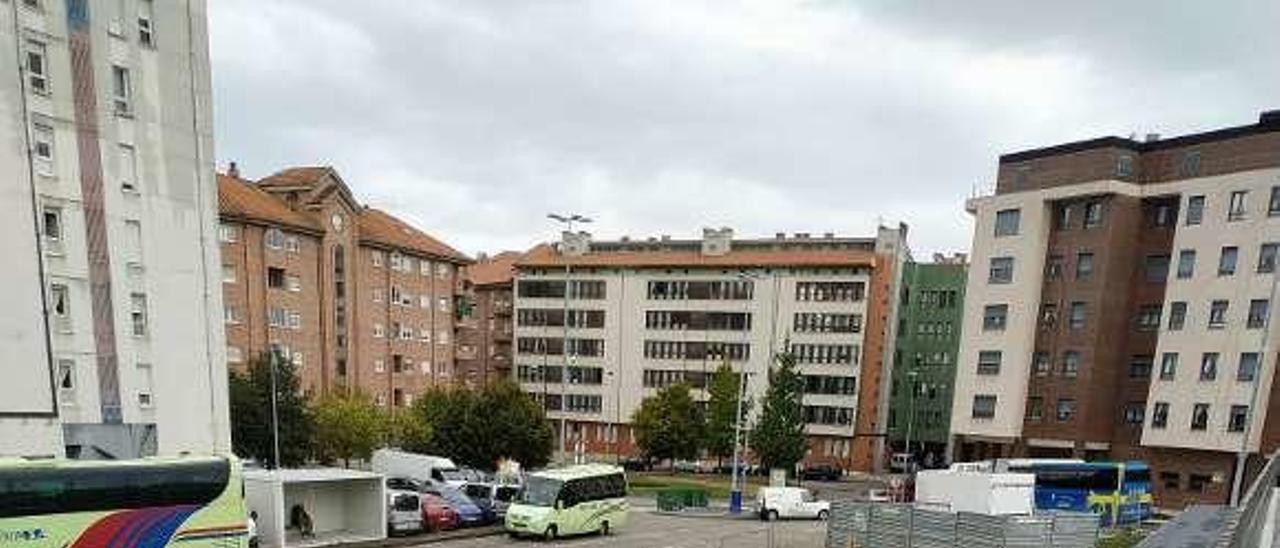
(540,491)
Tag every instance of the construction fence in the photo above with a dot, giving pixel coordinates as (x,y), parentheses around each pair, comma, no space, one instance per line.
(880,525)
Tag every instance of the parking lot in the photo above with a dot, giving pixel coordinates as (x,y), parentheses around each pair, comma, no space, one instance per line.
(649,530)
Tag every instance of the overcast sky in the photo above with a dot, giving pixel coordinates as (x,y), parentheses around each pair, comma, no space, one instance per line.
(473,119)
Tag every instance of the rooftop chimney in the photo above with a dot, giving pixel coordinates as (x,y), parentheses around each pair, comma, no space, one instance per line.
(716,242)
(1152,137)
(233,170)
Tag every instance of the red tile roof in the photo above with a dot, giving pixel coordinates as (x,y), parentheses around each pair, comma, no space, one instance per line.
(544,256)
(241,199)
(379,227)
(495,270)
(294,176)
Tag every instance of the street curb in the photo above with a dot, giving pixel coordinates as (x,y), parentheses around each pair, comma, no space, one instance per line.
(429,538)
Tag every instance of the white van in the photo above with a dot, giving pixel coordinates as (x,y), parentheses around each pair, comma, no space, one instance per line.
(404,512)
(791,503)
(426,469)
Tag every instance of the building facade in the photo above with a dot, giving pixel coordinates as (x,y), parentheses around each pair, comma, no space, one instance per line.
(486,324)
(1120,307)
(353,296)
(924,361)
(643,315)
(109,207)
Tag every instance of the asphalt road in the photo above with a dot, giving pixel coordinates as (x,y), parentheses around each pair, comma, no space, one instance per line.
(649,530)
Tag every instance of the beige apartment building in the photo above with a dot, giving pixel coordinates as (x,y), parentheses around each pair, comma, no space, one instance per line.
(1119,307)
(352,295)
(645,314)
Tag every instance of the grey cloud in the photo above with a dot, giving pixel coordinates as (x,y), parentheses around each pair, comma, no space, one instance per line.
(475,118)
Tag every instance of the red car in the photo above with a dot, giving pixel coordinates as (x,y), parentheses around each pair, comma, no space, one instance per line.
(437,515)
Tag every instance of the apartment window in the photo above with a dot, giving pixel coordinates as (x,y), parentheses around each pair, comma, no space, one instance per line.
(116,19)
(51,224)
(1168,366)
(1177,315)
(1227,260)
(1160,415)
(1048,315)
(293,283)
(1133,413)
(1200,416)
(228,234)
(275,277)
(1259,311)
(67,380)
(61,301)
(1218,314)
(984,406)
(1084,265)
(1156,268)
(1040,364)
(1190,166)
(228,273)
(989,362)
(1273,205)
(995,317)
(1267,258)
(230,314)
(138,314)
(377,259)
(377,294)
(146,14)
(444,304)
(1001,271)
(1195,210)
(1239,416)
(274,238)
(1076,315)
(1148,317)
(1236,207)
(1066,409)
(1171,480)
(146,386)
(234,354)
(1124,166)
(1092,214)
(122,91)
(37,66)
(1053,267)
(378,331)
(1248,369)
(1186,263)
(1062,216)
(1140,366)
(42,148)
(1163,214)
(379,366)
(1007,221)
(1209,366)
(1070,364)
(1035,408)
(128,168)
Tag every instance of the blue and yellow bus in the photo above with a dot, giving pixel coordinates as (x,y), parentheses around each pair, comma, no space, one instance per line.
(146,503)
(1119,492)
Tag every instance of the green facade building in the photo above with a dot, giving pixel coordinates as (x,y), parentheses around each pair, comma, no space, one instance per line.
(924,360)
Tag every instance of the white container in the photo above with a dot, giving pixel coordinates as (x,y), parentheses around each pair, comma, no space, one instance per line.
(425,469)
(978,492)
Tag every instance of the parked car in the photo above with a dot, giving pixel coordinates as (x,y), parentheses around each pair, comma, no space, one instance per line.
(497,496)
(437,515)
(470,514)
(822,472)
(636,464)
(693,467)
(404,515)
(774,503)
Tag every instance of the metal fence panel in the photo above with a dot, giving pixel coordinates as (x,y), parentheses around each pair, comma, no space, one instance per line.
(875,525)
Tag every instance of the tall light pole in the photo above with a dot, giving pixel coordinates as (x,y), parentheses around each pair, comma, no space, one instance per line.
(735,489)
(567,220)
(275,413)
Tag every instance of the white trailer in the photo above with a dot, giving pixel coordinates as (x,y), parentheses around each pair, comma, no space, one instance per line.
(425,469)
(979,492)
(340,506)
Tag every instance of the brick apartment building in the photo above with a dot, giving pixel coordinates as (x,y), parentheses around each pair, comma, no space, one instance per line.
(645,314)
(484,331)
(352,295)
(1119,307)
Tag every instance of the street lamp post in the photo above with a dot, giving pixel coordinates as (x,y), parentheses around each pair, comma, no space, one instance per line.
(568,221)
(275,413)
(735,489)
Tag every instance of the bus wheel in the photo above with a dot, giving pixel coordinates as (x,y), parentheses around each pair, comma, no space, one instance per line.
(550,533)
(604,529)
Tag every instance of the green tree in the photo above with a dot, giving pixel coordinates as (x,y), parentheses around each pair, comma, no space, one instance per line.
(722,411)
(408,431)
(348,425)
(250,401)
(778,439)
(480,428)
(669,424)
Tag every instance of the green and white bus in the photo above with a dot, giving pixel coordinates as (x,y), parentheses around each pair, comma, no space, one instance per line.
(588,498)
(146,503)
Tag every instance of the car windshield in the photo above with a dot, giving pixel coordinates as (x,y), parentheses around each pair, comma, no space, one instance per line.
(806,496)
(477,491)
(452,474)
(541,491)
(507,494)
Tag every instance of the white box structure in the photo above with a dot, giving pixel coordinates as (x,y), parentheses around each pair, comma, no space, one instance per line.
(344,505)
(988,493)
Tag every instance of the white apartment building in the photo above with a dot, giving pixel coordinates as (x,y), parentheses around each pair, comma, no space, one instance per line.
(112,327)
(1125,308)
(648,314)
